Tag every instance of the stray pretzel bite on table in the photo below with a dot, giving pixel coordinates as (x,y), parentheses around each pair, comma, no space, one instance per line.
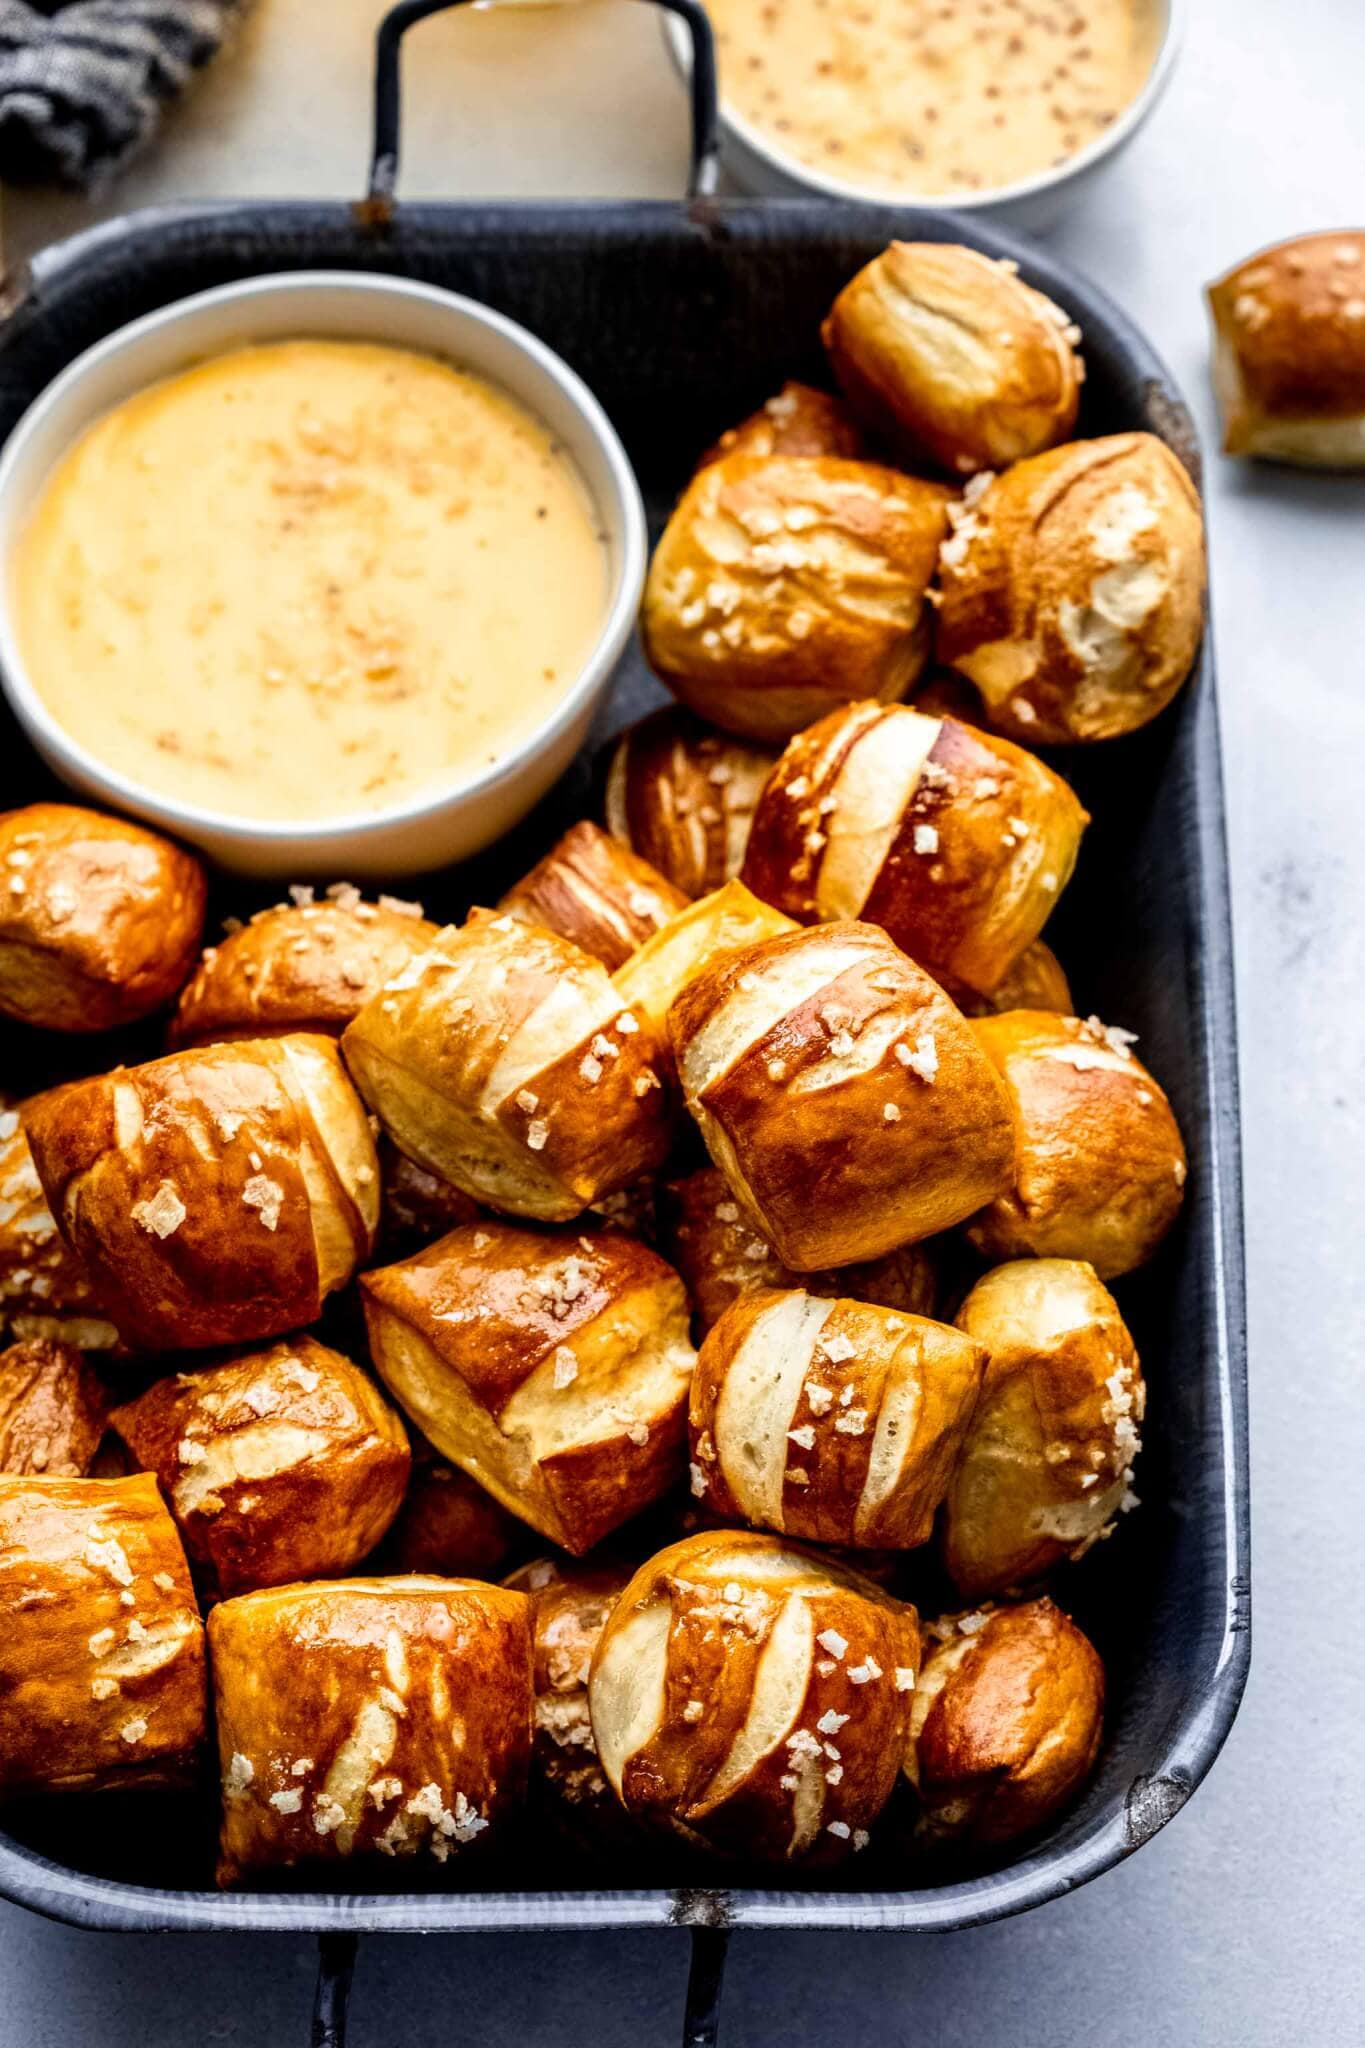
(101,1645)
(755,1698)
(785,586)
(1289,352)
(369,1717)
(832,1421)
(217,1195)
(506,1062)
(841,1094)
(553,1368)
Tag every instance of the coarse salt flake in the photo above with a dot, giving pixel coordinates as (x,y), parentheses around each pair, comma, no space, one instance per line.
(162,1213)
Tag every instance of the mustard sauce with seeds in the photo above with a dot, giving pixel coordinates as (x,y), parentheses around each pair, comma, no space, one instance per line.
(933,97)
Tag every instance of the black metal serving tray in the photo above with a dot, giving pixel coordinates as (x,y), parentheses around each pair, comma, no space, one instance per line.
(681,317)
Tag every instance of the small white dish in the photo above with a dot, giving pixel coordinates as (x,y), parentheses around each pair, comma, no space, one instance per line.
(762,167)
(423,833)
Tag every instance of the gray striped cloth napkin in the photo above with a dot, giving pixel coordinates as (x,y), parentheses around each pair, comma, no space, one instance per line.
(82,85)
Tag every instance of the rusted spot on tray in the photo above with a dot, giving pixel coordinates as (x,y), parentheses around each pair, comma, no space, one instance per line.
(1151,1802)
(695,1907)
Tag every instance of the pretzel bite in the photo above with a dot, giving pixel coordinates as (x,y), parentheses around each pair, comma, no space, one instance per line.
(448,1525)
(45,1290)
(553,1369)
(683,796)
(722,1259)
(786,586)
(1289,352)
(1072,590)
(299,967)
(754,1698)
(101,1646)
(956,843)
(415,1206)
(1101,1166)
(280,1465)
(833,1421)
(215,1196)
(841,1094)
(570,1605)
(507,1063)
(655,977)
(954,357)
(99,920)
(1047,1461)
(52,1410)
(1037,981)
(369,1717)
(593,890)
(1005,1723)
(798,420)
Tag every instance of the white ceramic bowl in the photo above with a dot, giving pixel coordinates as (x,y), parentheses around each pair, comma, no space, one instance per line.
(434,829)
(758,165)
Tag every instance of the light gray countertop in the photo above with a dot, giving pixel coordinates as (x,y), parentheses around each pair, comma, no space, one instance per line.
(1242,1923)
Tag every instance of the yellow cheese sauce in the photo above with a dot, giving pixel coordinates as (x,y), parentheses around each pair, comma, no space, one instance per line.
(932,97)
(309,579)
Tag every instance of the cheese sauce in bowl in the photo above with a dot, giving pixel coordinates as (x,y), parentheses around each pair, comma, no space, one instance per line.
(341,586)
(309,578)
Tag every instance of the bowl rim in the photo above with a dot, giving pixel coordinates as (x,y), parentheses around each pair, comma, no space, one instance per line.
(997,197)
(202,824)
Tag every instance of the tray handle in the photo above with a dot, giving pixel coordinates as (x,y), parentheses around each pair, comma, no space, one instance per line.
(701,2017)
(388,93)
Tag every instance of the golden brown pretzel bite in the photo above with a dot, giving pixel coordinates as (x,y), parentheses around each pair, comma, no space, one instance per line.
(1073,590)
(1047,1461)
(956,843)
(683,795)
(279,1465)
(950,353)
(786,586)
(841,1094)
(832,1421)
(754,1697)
(594,891)
(506,1062)
(1101,1169)
(554,1369)
(366,1717)
(1005,1722)
(99,919)
(299,967)
(216,1195)
(101,1645)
